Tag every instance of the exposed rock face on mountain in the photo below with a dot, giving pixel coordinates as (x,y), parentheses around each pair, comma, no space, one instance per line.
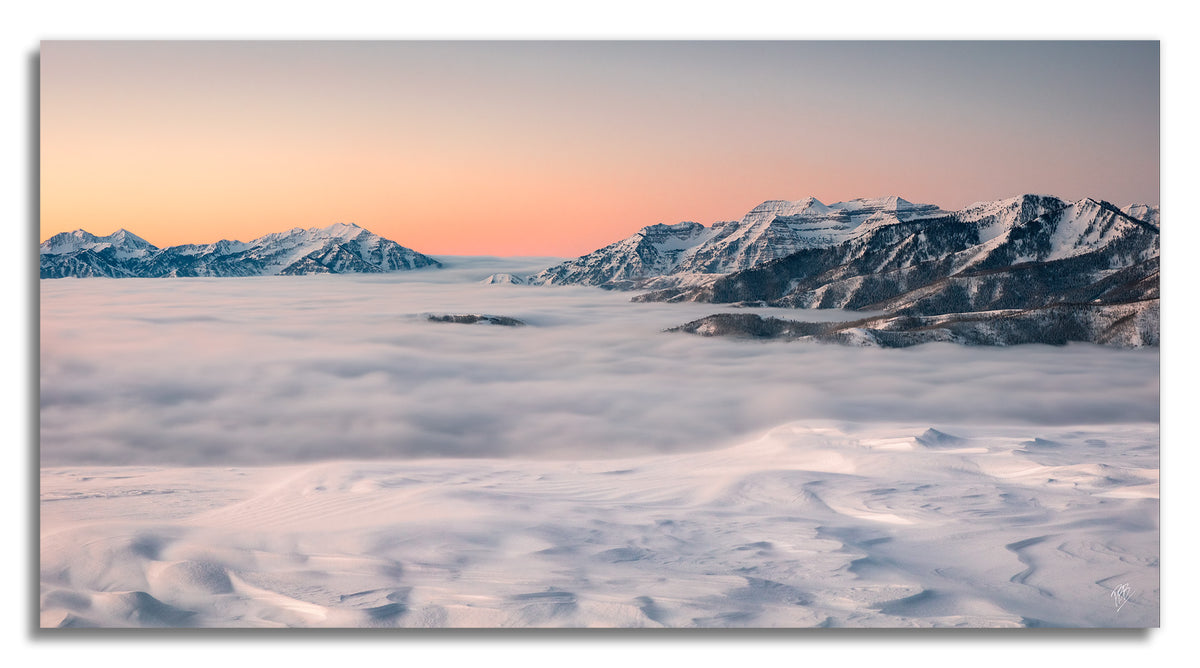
(337,249)
(1129,325)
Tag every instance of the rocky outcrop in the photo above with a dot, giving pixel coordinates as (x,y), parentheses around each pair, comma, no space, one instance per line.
(1129,325)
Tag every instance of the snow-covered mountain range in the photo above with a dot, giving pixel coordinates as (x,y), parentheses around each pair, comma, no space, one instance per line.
(337,249)
(690,254)
(1031,268)
(773,229)
(1022,252)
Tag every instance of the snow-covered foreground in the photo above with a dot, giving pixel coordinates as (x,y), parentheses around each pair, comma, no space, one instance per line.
(314,451)
(809,525)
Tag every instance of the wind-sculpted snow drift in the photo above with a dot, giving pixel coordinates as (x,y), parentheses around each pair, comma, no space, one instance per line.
(810,525)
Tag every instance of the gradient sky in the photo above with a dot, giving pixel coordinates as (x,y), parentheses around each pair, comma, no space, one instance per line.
(558,148)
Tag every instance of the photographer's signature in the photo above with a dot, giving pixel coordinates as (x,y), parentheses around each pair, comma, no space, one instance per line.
(1121,595)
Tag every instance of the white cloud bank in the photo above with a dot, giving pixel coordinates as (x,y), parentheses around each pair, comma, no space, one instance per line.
(278,370)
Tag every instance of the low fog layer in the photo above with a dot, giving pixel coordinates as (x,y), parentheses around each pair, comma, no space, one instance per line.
(285,369)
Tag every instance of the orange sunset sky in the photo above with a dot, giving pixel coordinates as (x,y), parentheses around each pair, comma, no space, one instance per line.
(520,148)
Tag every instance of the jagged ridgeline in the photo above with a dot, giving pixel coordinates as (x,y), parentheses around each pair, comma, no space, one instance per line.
(1025,269)
(337,249)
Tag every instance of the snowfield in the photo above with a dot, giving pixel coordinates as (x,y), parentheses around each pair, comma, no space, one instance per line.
(314,451)
(806,526)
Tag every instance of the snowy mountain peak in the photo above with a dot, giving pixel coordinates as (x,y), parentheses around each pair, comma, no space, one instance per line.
(1143,212)
(814,205)
(1091,203)
(65,242)
(125,236)
(342,230)
(1028,199)
(122,242)
(503,279)
(773,208)
(890,203)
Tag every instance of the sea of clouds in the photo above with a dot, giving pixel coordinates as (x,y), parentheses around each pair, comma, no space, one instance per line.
(287,369)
